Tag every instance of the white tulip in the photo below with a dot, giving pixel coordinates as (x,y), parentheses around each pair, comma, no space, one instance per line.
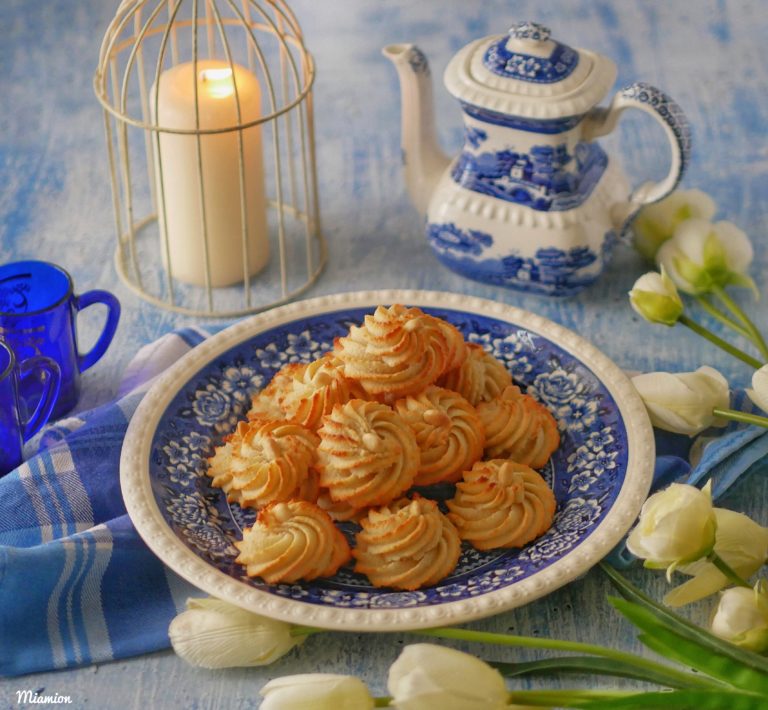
(702,255)
(682,403)
(740,542)
(656,223)
(655,297)
(426,676)
(316,691)
(677,525)
(741,617)
(213,633)
(759,392)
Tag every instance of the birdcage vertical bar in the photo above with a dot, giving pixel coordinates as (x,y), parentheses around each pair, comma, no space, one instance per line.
(199,146)
(169,31)
(144,99)
(308,225)
(275,142)
(140,35)
(113,179)
(111,57)
(209,30)
(122,146)
(244,242)
(174,38)
(287,115)
(246,12)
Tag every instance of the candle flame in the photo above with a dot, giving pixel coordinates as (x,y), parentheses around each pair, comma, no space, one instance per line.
(218,82)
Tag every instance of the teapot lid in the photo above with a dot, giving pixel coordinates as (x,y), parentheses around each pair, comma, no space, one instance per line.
(525,73)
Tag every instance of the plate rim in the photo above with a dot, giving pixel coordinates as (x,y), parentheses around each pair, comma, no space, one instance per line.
(146,516)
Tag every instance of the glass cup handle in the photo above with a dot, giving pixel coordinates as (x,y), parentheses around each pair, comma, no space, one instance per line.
(84,361)
(41,365)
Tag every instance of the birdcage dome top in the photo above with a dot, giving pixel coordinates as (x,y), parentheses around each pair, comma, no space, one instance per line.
(215,41)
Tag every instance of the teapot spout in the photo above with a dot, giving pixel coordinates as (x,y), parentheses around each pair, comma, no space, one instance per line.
(423,160)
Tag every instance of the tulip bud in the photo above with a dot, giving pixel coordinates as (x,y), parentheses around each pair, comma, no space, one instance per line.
(656,299)
(759,392)
(656,223)
(701,256)
(316,691)
(741,617)
(682,403)
(427,676)
(677,525)
(213,633)
(740,542)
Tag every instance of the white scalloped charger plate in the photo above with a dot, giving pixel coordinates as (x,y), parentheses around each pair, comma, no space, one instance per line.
(600,474)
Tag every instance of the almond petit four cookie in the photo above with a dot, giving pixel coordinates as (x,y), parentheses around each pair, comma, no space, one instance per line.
(406,545)
(396,352)
(263,461)
(457,347)
(448,431)
(501,504)
(308,391)
(339,512)
(518,427)
(291,541)
(264,404)
(367,454)
(480,378)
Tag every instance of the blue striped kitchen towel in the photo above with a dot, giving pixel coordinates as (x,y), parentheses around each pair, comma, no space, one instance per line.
(77,584)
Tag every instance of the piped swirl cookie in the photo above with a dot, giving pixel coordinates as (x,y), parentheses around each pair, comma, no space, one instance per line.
(396,352)
(480,378)
(367,454)
(448,431)
(264,461)
(291,541)
(501,504)
(518,427)
(406,545)
(308,391)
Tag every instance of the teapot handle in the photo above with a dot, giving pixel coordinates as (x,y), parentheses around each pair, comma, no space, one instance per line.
(666,111)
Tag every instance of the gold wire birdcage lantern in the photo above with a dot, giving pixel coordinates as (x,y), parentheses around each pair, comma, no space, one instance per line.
(210,139)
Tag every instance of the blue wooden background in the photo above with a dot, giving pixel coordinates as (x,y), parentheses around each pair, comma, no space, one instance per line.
(55,204)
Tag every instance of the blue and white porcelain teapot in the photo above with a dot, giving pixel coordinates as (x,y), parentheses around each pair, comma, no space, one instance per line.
(532,202)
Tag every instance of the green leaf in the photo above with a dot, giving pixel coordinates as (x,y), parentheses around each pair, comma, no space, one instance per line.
(745,281)
(592,665)
(693,632)
(750,669)
(676,646)
(682,700)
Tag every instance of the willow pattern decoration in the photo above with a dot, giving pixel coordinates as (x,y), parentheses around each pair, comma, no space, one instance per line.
(210,140)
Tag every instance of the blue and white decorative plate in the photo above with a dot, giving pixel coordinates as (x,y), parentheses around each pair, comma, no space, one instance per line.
(600,474)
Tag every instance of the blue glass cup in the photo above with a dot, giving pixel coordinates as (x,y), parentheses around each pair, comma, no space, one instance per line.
(15,426)
(38,316)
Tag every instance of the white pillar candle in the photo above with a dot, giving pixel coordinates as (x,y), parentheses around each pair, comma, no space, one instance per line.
(178,171)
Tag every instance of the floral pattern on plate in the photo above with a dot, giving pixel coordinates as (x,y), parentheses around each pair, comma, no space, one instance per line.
(586,473)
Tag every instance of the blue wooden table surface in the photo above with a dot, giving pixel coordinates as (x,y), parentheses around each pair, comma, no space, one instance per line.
(55,204)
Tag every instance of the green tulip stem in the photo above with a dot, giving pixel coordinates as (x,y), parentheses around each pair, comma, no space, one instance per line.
(745,417)
(754,334)
(566,698)
(560,645)
(719,315)
(727,570)
(724,345)
(651,668)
